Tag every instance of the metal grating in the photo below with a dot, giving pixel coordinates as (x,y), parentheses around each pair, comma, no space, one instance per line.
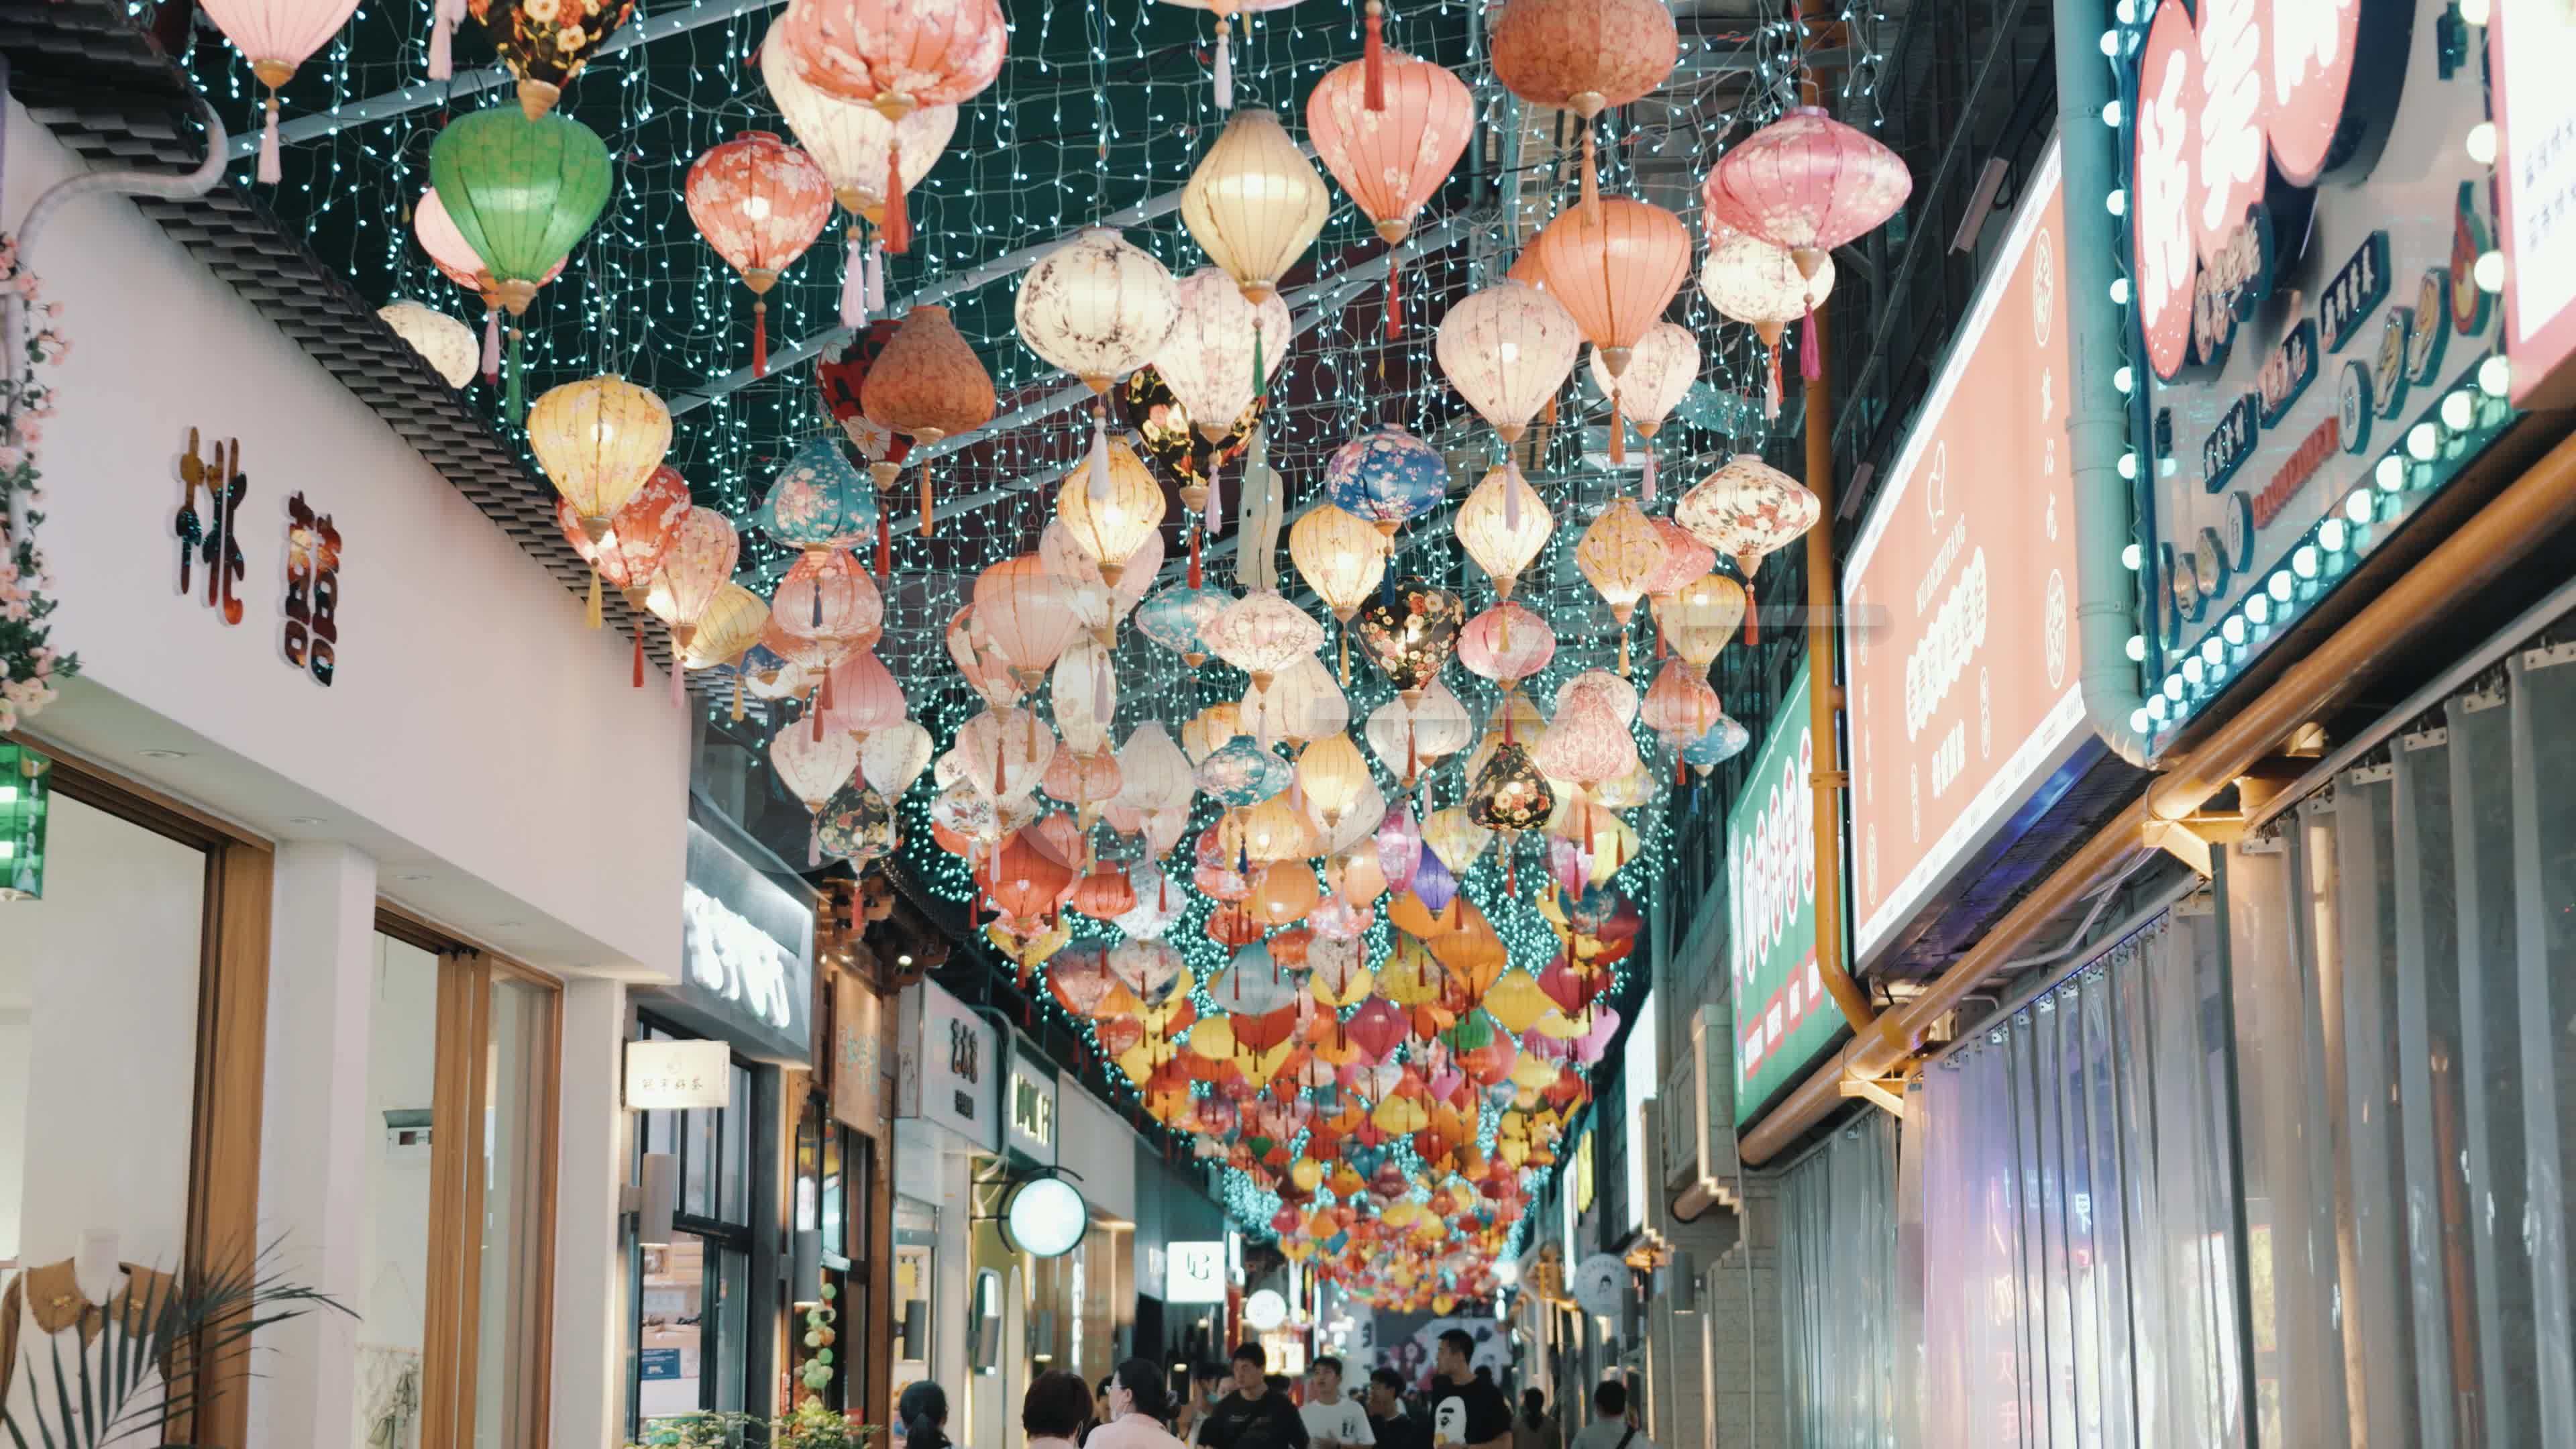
(100,84)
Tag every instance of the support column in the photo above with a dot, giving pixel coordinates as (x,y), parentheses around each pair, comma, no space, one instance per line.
(594,1158)
(1748,1385)
(315,1139)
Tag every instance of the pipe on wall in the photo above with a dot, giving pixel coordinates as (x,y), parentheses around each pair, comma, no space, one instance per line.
(1824,701)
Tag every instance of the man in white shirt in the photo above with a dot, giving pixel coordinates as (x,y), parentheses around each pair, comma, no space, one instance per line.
(1610,1428)
(1332,1422)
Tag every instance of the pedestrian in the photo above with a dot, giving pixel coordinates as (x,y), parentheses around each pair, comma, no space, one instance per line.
(1205,1386)
(1610,1427)
(1056,1409)
(1534,1429)
(1391,1424)
(1137,1404)
(1332,1422)
(1466,1409)
(1254,1416)
(924,1412)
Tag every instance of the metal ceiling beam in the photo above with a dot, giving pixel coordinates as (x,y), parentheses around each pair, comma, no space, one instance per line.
(424,95)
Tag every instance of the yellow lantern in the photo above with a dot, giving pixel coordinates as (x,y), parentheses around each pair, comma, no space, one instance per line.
(730,625)
(1515,1002)
(1618,555)
(598,440)
(1455,837)
(1273,831)
(1137,1063)
(1213,1038)
(1403,1212)
(1334,774)
(1701,618)
(1306,1173)
(1503,524)
(1342,557)
(1111,522)
(1255,203)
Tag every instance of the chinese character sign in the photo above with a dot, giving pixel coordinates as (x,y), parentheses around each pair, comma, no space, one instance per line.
(312,634)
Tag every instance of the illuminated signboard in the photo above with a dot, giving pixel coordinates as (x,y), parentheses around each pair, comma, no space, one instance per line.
(1783,1020)
(1029,1100)
(1194,1272)
(2311,293)
(747,945)
(1962,682)
(2535,119)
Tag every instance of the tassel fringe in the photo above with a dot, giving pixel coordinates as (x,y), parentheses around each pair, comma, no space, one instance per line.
(1394,304)
(515,403)
(898,216)
(760,338)
(925,498)
(1099,455)
(854,282)
(591,616)
(1811,363)
(269,172)
(885,545)
(1647,491)
(492,344)
(639,661)
(876,298)
(1618,432)
(1197,576)
(1224,67)
(679,689)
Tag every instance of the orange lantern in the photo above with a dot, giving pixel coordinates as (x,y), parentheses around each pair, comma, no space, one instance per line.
(928,384)
(896,55)
(761,203)
(1615,263)
(1584,56)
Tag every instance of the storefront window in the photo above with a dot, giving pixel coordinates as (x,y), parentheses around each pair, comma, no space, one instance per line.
(693,1348)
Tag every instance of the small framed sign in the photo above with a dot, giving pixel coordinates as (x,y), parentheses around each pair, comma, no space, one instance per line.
(664,1076)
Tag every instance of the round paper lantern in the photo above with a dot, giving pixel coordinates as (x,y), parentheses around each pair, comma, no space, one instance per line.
(1178,619)
(1300,703)
(448,251)
(893,757)
(851,140)
(1507,349)
(1283,893)
(1391,156)
(728,629)
(1386,476)
(760,203)
(1409,631)
(1262,633)
(1109,524)
(1153,773)
(1507,643)
(1022,610)
(545,46)
(1618,555)
(927,384)
(1588,741)
(597,441)
(864,696)
(1723,740)
(1806,182)
(1661,368)
(1747,509)
(1254,204)
(1503,524)
(1455,837)
(276,36)
(1340,557)
(898,56)
(639,534)
(819,500)
(1097,307)
(1749,280)
(1680,705)
(1584,56)
(447,345)
(1614,265)
(1240,772)
(1698,618)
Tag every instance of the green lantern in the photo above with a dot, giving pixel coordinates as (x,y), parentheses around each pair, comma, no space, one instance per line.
(521,192)
(24,798)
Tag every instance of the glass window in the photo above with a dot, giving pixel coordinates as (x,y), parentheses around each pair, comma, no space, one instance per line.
(673,1305)
(394,1228)
(693,1349)
(518,1063)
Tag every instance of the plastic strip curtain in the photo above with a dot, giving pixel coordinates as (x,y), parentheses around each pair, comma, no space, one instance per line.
(2402,951)
(2079,1242)
(1838,1291)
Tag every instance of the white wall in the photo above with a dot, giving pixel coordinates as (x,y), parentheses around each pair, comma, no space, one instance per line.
(474,722)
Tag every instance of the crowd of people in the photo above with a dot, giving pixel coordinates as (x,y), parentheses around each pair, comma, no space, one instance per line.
(1244,1406)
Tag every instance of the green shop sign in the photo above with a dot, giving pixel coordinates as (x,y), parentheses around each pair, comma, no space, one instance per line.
(1783,1019)
(23,800)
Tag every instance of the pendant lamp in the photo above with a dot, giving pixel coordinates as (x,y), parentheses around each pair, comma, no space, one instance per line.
(546,45)
(1700,617)
(857,147)
(760,203)
(1342,559)
(1749,280)
(1390,127)
(928,384)
(1254,204)
(520,192)
(898,56)
(1507,349)
(1110,524)
(626,554)
(276,36)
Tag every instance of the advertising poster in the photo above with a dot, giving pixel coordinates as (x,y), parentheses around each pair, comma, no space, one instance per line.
(1783,1019)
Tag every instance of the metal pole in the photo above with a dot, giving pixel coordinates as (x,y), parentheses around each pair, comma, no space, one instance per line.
(1825,697)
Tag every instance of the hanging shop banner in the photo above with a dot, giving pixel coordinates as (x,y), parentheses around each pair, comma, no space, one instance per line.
(2535,131)
(948,1059)
(2314,278)
(1783,1020)
(1961,590)
(859,1064)
(747,956)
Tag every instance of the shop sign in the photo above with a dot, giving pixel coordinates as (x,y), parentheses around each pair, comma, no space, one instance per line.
(26,802)
(1601,1285)
(1963,690)
(1029,1104)
(1194,1272)
(678,1076)
(859,1062)
(948,1061)
(2535,119)
(2251,280)
(746,951)
(309,637)
(1583,1179)
(1781,1016)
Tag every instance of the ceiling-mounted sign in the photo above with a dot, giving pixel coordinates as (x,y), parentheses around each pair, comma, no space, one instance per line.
(1194,1272)
(676,1076)
(2307,202)
(1783,1020)
(2535,120)
(1963,691)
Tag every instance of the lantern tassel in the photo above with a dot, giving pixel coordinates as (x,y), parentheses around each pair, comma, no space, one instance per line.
(885,546)
(760,337)
(269,172)
(1345,634)
(1224,68)
(1512,496)
(1811,363)
(492,344)
(639,662)
(1623,651)
(1647,490)
(854,282)
(591,616)
(1374,53)
(814,843)
(737,694)
(1618,433)
(1197,578)
(897,228)
(1260,374)
(1394,304)
(515,403)
(679,691)
(1752,616)
(1099,454)
(1771,391)
(1216,498)
(876,297)
(1591,166)
(442,63)
(925,497)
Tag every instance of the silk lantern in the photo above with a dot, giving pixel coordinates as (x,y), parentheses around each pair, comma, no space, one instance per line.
(760,203)
(599,441)
(824,610)
(1225,11)
(447,345)
(1254,204)
(1215,364)
(544,44)
(857,148)
(1614,265)
(893,757)
(898,56)
(276,36)
(1507,349)
(1698,618)
(811,767)
(520,192)
(1342,559)
(1262,633)
(1390,129)
(1332,774)
(639,534)
(457,261)
(1661,368)
(1584,56)
(1098,308)
(1746,510)
(865,696)
(1685,559)
(928,384)
(1680,705)
(1387,476)
(1749,280)
(726,633)
(1021,609)
(1503,525)
(819,500)
(1618,554)
(699,564)
(1507,644)
(1110,523)
(1410,632)
(1807,183)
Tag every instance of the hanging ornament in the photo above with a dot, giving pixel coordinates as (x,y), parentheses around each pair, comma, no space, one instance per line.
(1661,368)
(520,192)
(276,36)
(1749,280)
(1390,127)
(1254,204)
(1584,56)
(1110,524)
(1507,644)
(898,56)
(928,384)
(1411,634)
(1614,264)
(858,149)
(1746,510)
(1097,307)
(1165,435)
(1386,476)
(598,441)
(1216,368)
(447,345)
(1618,555)
(457,261)
(546,44)
(1806,183)
(1507,349)
(694,573)
(625,554)
(1503,525)
(1179,617)
(760,203)
(1262,633)
(1342,559)
(819,500)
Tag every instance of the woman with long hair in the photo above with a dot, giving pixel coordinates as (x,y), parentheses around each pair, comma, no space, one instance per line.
(1532,1428)
(1138,1403)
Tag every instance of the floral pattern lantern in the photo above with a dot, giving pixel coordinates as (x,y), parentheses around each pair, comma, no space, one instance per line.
(1618,556)
(1504,524)
(625,554)
(865,696)
(893,757)
(1390,128)
(1386,476)
(599,441)
(819,501)
(1022,609)
(811,766)
(1217,365)
(760,203)
(1661,368)
(1748,280)
(1254,204)
(857,147)
(276,36)
(1723,740)
(1680,705)
(1807,183)
(446,344)
(1240,772)
(545,43)
(456,260)
(1409,739)
(699,564)
(1584,56)
(1178,619)
(855,825)
(1746,510)
(1698,618)
(1507,349)
(1410,632)
(1097,306)
(898,56)
(1262,633)
(1507,644)
(928,385)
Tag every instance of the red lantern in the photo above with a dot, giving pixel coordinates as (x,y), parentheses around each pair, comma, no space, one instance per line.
(896,55)
(1105,894)
(1808,183)
(761,203)
(1024,880)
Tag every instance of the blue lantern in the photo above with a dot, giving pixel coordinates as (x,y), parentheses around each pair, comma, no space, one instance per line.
(1386,476)
(820,500)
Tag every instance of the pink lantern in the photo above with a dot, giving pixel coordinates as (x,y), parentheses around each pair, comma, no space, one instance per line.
(1507,643)
(1027,613)
(1584,56)
(865,696)
(1004,752)
(1685,558)
(1614,264)
(698,566)
(1680,705)
(985,670)
(761,203)
(896,55)
(1746,510)
(1808,183)
(1588,741)
(276,36)
(1390,128)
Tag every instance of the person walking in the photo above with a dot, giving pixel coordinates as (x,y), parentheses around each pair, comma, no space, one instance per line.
(1332,1422)
(1610,1427)
(1137,1403)
(1206,1383)
(1254,1416)
(923,1410)
(1055,1410)
(1467,1411)
(1391,1424)
(1534,1429)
